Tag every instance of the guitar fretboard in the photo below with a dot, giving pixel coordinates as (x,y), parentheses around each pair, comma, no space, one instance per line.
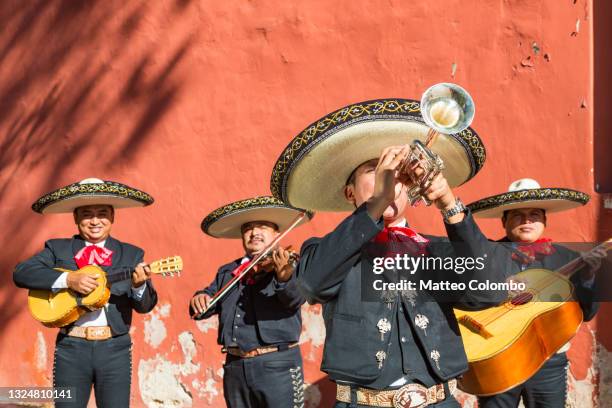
(118,274)
(575,265)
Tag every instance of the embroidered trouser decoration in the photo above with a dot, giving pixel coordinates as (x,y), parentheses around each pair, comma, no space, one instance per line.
(298,387)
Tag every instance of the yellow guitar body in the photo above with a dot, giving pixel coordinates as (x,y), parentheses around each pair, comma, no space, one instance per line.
(59,309)
(65,306)
(507,344)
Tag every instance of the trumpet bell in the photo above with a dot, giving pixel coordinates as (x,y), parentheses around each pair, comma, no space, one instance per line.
(447,108)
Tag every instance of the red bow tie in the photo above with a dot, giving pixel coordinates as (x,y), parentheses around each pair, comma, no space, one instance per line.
(248,278)
(94,255)
(401,240)
(534,250)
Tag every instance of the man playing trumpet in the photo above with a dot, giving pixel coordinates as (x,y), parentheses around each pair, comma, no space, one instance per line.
(402,349)
(259,318)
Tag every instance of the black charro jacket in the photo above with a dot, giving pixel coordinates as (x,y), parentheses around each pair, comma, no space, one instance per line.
(276,307)
(37,273)
(329,272)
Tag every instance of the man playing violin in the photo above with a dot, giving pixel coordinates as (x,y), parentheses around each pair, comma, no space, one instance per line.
(523,211)
(95,349)
(259,318)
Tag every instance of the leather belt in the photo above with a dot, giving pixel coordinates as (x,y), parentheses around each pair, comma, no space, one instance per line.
(89,332)
(408,396)
(235,351)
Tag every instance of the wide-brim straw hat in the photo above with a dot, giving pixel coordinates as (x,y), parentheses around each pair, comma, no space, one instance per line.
(313,169)
(227,221)
(527,193)
(91,191)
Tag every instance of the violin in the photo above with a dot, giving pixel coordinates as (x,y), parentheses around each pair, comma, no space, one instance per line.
(266,264)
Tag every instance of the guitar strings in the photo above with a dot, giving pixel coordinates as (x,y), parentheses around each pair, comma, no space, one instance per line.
(489,316)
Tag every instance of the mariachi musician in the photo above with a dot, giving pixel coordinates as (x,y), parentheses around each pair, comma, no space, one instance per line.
(95,349)
(259,317)
(523,213)
(403,348)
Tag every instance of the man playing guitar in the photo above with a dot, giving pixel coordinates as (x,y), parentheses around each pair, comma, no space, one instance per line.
(523,210)
(96,349)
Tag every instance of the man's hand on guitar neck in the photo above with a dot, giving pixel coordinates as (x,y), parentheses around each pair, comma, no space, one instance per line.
(593,261)
(82,282)
(141,274)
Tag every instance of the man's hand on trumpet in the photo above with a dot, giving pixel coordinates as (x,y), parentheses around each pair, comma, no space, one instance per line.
(387,187)
(390,172)
(439,193)
(435,190)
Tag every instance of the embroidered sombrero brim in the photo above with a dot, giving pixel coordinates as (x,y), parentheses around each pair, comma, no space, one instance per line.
(226,221)
(548,199)
(66,199)
(313,169)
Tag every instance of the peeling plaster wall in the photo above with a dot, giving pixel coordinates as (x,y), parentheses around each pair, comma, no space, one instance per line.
(193,100)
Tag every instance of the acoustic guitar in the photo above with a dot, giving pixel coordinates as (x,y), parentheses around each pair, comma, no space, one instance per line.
(507,344)
(65,306)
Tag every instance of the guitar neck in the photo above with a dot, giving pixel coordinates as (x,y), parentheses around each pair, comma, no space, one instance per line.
(164,266)
(575,265)
(119,274)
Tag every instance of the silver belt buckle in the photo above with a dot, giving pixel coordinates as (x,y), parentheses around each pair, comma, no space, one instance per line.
(411,396)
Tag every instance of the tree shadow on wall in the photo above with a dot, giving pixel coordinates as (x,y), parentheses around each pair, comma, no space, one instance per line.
(68,70)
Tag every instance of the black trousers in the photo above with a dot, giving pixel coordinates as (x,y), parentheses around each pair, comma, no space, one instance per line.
(272,380)
(107,364)
(546,389)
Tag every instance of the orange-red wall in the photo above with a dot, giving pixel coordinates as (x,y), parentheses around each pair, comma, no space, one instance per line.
(192,101)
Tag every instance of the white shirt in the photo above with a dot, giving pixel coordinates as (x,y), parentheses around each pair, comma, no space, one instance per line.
(402,223)
(97,317)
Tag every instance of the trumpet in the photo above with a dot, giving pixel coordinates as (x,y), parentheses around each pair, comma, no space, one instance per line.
(446,108)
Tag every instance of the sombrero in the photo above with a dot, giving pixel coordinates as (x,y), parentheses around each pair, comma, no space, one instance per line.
(313,169)
(527,193)
(226,221)
(91,191)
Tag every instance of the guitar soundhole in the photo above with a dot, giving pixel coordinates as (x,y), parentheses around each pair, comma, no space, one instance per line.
(521,299)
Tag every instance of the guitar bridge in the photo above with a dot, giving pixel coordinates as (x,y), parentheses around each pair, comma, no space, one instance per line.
(474,326)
